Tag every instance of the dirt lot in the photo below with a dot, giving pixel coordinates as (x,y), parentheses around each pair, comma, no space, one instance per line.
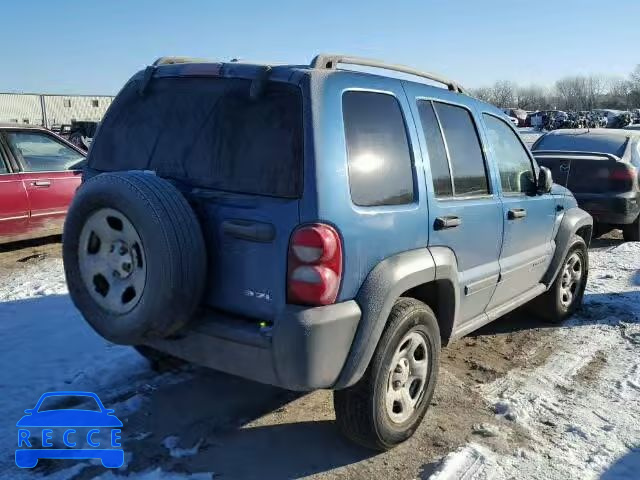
(195,420)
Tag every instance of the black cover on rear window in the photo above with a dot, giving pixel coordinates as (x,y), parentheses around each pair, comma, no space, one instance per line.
(207,132)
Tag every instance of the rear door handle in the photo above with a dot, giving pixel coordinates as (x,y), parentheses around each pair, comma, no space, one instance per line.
(450,221)
(516,213)
(41,183)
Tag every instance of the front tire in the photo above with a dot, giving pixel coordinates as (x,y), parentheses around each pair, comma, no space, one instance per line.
(567,291)
(388,403)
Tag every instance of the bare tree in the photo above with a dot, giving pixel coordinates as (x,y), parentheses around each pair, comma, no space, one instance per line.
(533,98)
(483,93)
(620,93)
(573,93)
(595,90)
(504,94)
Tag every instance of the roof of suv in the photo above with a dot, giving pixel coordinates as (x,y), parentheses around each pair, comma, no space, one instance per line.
(327,63)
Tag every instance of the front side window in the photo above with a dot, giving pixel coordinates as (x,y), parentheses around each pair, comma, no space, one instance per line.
(39,152)
(379,159)
(465,154)
(514,165)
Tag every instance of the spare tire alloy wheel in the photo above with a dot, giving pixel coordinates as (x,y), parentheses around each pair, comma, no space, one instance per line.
(112,261)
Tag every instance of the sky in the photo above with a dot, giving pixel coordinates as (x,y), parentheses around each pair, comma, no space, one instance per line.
(93,47)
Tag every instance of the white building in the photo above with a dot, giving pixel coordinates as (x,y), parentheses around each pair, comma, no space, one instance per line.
(48,110)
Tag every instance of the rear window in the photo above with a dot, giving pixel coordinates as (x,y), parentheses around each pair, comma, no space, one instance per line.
(207,132)
(614,145)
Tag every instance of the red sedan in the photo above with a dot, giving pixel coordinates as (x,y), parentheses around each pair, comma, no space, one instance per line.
(39,174)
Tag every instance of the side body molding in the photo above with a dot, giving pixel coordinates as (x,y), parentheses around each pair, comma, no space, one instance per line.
(385,283)
(573,220)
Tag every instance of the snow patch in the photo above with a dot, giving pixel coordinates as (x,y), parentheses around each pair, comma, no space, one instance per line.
(472,462)
(585,427)
(171,443)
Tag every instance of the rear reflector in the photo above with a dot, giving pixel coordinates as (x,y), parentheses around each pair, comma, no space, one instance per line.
(314,265)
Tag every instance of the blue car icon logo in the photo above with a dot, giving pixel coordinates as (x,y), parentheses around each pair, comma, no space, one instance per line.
(82,431)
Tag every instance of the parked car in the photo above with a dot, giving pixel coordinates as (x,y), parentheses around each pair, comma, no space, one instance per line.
(519,114)
(39,174)
(81,133)
(315,227)
(600,167)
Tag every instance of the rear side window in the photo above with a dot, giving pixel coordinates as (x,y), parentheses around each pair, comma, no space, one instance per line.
(435,148)
(379,159)
(208,132)
(465,154)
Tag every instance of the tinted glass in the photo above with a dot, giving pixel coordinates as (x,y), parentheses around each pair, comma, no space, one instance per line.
(436,150)
(3,163)
(39,152)
(380,171)
(514,165)
(465,154)
(584,142)
(207,132)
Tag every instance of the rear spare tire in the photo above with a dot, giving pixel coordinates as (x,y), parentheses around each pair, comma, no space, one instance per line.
(134,256)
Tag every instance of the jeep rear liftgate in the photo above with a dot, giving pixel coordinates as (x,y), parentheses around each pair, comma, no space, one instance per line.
(242,157)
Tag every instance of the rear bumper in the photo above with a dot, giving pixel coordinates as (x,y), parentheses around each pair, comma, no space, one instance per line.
(620,209)
(305,350)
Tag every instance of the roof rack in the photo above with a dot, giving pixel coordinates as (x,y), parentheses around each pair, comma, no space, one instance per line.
(328,61)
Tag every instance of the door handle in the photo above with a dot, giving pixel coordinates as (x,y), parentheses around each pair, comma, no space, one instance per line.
(41,183)
(516,213)
(450,221)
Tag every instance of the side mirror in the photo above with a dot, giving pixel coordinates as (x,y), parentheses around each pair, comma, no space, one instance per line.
(545,180)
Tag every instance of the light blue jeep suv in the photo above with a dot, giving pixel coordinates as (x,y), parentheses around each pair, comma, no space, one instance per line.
(311,226)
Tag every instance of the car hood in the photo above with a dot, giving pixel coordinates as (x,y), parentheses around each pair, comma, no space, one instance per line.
(69,418)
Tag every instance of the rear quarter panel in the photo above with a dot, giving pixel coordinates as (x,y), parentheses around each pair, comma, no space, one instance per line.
(369,234)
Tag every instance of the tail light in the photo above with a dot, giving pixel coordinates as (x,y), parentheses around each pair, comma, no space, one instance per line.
(314,265)
(622,177)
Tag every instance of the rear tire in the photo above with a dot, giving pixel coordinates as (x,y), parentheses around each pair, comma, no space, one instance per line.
(376,412)
(631,233)
(567,291)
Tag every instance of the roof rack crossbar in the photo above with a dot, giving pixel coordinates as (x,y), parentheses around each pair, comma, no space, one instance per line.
(327,61)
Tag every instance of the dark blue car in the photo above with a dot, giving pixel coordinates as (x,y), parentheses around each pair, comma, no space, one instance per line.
(41,420)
